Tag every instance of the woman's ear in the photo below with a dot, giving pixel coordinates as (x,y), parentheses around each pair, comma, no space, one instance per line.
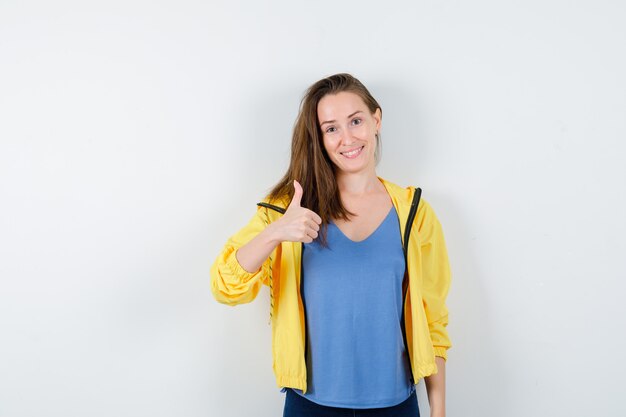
(378,118)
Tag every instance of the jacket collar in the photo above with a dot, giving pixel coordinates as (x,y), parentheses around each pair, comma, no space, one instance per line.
(401,197)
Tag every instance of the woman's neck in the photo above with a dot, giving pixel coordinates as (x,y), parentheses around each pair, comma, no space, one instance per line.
(358,183)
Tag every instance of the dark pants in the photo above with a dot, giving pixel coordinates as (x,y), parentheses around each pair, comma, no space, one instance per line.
(298,406)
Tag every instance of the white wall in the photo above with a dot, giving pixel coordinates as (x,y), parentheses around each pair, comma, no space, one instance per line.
(135,137)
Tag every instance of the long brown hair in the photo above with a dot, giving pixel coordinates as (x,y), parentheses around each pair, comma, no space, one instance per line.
(310,164)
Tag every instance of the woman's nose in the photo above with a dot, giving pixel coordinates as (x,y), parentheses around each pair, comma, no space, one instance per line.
(346,137)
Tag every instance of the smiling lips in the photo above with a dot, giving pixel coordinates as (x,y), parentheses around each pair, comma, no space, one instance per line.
(353,153)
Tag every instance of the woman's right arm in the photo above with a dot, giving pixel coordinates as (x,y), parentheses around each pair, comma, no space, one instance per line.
(230,283)
(252,255)
(249,249)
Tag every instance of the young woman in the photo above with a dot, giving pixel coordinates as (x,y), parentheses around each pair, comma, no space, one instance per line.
(356,265)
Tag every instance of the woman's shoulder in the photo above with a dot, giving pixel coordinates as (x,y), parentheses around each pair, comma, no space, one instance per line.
(408,195)
(404,193)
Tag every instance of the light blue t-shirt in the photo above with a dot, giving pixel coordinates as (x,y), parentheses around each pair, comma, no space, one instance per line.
(352,291)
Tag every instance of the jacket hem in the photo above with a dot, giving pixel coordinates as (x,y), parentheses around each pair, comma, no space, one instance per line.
(283,381)
(442,352)
(425,370)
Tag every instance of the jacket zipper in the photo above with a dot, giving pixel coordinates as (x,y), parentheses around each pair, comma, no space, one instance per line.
(405,283)
(306,335)
(273,207)
(267,222)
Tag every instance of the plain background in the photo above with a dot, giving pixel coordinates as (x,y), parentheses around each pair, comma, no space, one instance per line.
(137,136)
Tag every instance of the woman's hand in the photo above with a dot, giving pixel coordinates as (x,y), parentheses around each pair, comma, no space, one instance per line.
(298,224)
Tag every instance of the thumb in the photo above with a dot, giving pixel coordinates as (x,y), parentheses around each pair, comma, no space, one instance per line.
(297,194)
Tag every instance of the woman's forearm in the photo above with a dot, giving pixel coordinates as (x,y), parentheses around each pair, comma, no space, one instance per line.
(436,389)
(252,255)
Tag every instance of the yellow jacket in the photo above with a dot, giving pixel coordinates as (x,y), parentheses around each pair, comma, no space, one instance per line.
(425,315)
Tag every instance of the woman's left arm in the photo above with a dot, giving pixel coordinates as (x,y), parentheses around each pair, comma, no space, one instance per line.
(435,286)
(436,389)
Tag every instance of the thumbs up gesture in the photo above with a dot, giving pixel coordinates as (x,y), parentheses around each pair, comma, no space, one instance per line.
(298,224)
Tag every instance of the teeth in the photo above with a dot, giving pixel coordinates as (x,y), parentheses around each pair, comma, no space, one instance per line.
(354,152)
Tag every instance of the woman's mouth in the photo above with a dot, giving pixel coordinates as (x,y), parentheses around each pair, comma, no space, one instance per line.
(353,153)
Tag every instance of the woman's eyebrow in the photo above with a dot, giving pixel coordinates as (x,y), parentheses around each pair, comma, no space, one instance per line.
(333,121)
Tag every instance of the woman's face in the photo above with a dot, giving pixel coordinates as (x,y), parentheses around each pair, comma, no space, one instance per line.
(348,130)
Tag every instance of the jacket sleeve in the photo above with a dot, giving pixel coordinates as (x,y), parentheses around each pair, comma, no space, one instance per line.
(436,277)
(230,283)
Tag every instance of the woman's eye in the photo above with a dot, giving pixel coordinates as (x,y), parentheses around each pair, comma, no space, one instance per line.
(356,121)
(330,130)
